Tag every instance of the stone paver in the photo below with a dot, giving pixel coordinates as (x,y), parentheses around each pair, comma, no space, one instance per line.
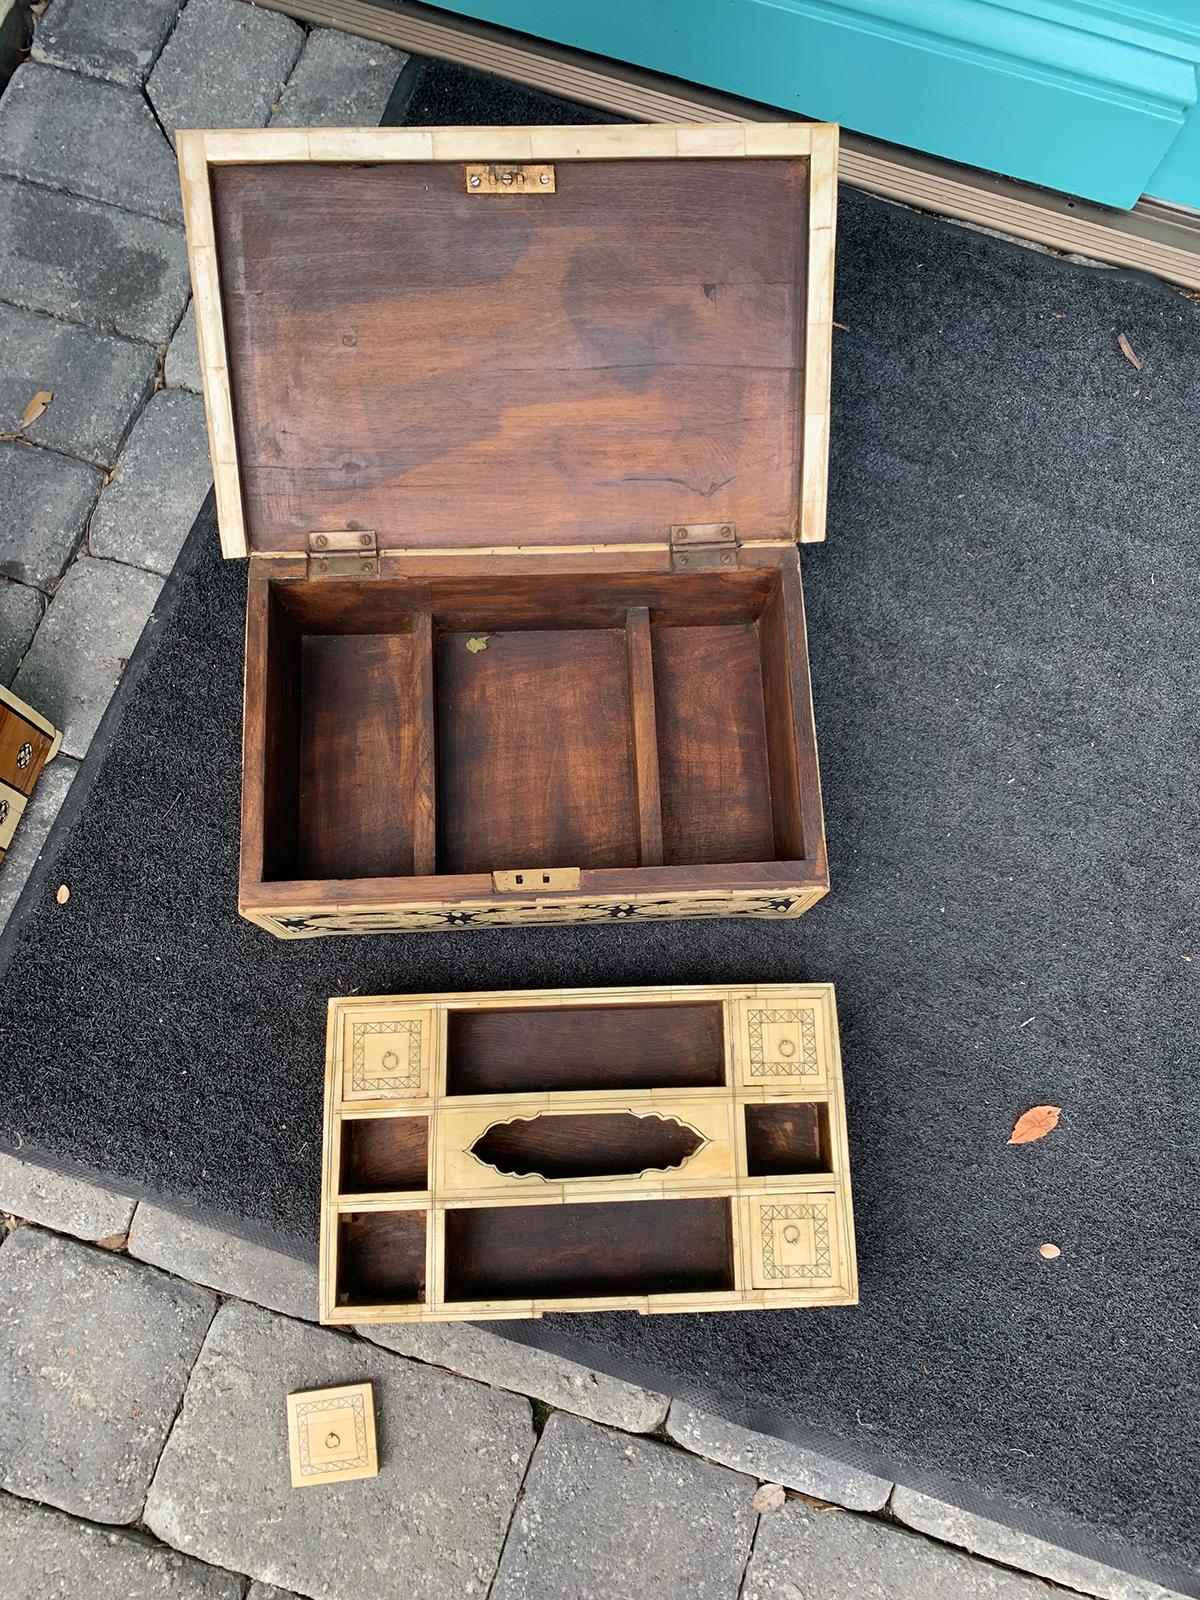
(45,501)
(85,640)
(58,1201)
(39,817)
(803,1553)
(609,1517)
(94,1355)
(983,1537)
(452,1455)
(223,1262)
(158,486)
(20,612)
(114,39)
(224,66)
(268,1591)
(182,368)
(97,379)
(775,1460)
(340,81)
(45,1555)
(90,137)
(476,1352)
(91,263)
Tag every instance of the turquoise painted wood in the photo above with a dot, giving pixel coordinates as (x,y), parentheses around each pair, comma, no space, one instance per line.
(1094,97)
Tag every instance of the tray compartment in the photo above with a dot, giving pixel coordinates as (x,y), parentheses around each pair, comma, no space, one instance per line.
(787,1140)
(569,1048)
(384,1154)
(566,1251)
(381,1258)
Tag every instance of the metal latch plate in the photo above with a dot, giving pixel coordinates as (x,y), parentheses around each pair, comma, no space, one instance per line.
(343,553)
(510,177)
(535,880)
(696,546)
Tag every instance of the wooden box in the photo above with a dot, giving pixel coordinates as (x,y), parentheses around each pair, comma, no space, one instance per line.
(504,1155)
(519,428)
(27,742)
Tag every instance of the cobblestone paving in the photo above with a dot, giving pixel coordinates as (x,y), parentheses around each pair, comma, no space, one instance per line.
(144,1359)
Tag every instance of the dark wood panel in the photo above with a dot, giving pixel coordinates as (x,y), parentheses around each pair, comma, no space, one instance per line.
(585,1047)
(356,756)
(15,733)
(381,1257)
(556,1145)
(423,711)
(712,746)
(535,751)
(783,1140)
(486,601)
(584,367)
(382,1153)
(547,1252)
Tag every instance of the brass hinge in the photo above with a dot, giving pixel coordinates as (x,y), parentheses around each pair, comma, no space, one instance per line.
(696,546)
(343,553)
(510,177)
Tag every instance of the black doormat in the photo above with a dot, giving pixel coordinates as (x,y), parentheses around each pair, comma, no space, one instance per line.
(1003,629)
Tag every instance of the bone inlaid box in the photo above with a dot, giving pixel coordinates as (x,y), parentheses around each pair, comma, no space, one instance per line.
(657,1150)
(518,428)
(27,743)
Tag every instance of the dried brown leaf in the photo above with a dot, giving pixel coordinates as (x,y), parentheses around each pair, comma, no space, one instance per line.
(36,406)
(1129,352)
(63,895)
(1035,1123)
(113,1241)
(1049,1252)
(767,1497)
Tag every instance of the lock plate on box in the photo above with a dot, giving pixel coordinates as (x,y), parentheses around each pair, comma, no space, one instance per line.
(510,177)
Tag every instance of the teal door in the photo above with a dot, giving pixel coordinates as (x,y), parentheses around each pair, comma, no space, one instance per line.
(1097,97)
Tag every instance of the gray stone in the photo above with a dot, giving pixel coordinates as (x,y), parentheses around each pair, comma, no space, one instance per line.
(224,1262)
(94,1355)
(20,613)
(182,370)
(31,833)
(58,1201)
(804,1553)
(984,1537)
(89,137)
(91,263)
(82,647)
(452,1455)
(224,66)
(97,379)
(158,485)
(45,501)
(775,1460)
(268,1591)
(45,1555)
(114,39)
(609,1517)
(340,81)
(475,1352)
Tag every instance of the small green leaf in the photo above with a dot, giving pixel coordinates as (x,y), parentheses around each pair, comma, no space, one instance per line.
(478,643)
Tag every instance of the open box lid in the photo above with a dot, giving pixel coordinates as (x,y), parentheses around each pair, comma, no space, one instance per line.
(457,339)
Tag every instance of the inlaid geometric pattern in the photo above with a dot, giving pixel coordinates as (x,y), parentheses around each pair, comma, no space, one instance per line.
(397,1067)
(795,1242)
(331,1435)
(783,1044)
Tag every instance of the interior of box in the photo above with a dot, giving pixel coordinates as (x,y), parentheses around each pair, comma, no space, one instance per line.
(548,1251)
(477,725)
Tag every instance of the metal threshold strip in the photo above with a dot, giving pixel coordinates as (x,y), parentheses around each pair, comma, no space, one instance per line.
(1153,237)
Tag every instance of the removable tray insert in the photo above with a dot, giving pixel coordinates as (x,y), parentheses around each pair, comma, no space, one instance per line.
(508,1154)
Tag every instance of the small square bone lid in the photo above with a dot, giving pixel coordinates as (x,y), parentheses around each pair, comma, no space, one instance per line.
(331,1434)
